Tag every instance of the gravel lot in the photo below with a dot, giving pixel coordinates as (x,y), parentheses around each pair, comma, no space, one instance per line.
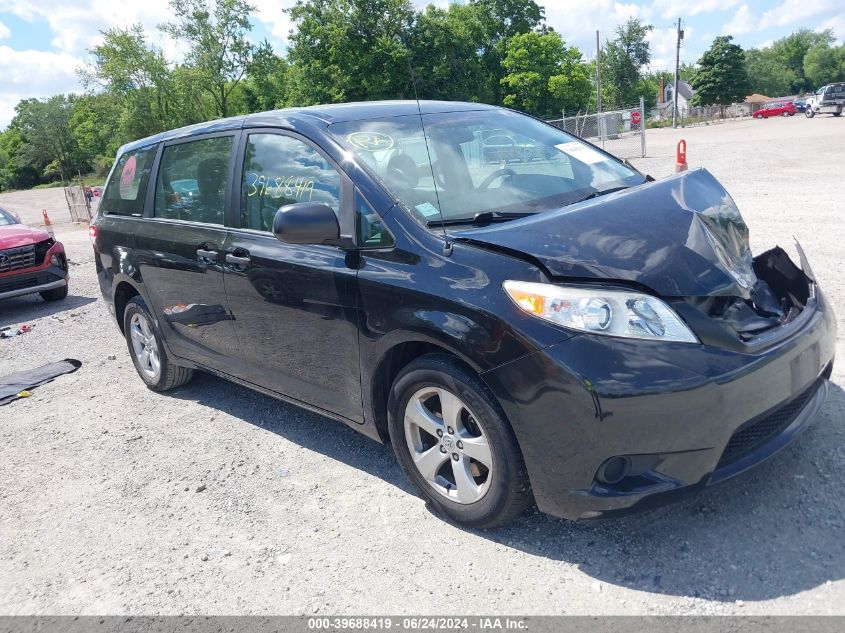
(214,499)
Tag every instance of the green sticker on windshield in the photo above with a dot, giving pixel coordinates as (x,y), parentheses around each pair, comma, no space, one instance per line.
(370,141)
(427,209)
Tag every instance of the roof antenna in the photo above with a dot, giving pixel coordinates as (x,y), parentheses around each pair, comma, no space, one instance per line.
(447,245)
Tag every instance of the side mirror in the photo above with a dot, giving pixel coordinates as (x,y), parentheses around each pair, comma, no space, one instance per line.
(306,223)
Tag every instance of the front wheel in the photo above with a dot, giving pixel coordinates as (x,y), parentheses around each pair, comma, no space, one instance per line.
(453,442)
(146,349)
(809,113)
(759,116)
(56,294)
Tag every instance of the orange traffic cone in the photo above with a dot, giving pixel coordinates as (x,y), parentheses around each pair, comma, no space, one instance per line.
(47,224)
(681,157)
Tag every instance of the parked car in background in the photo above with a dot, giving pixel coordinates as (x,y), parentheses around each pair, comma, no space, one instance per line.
(800,105)
(829,99)
(520,314)
(785,108)
(30,261)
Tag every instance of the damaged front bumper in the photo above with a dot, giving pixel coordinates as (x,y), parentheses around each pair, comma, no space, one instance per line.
(610,425)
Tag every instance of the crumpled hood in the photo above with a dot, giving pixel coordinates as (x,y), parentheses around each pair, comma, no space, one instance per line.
(681,236)
(15,235)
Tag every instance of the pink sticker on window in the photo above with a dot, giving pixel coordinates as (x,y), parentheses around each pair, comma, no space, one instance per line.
(127,177)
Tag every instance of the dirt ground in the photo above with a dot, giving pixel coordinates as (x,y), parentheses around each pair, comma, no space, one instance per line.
(214,499)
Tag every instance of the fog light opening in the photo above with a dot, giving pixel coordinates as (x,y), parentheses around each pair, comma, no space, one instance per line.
(614,470)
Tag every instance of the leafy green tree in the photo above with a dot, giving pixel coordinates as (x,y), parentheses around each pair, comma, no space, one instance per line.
(348,50)
(721,78)
(824,64)
(95,124)
(622,61)
(125,65)
(544,76)
(218,48)
(15,172)
(768,74)
(444,45)
(49,144)
(791,50)
(500,21)
(266,75)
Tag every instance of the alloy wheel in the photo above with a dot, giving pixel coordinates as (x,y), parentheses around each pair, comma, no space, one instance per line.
(145,346)
(448,445)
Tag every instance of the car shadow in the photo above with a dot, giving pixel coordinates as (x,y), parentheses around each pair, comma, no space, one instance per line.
(30,307)
(773,532)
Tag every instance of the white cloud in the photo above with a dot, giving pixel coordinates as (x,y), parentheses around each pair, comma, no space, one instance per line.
(669,9)
(742,22)
(837,23)
(30,73)
(4,31)
(662,44)
(272,14)
(76,26)
(792,11)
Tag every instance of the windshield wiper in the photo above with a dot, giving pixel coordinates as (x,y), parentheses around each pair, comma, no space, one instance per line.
(597,193)
(479,219)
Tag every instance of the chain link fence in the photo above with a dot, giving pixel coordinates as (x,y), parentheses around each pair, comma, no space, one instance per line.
(698,115)
(620,132)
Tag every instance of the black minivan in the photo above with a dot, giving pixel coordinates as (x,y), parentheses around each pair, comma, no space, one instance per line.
(526,318)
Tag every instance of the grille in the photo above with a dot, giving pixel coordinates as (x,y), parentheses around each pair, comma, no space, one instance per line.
(18,284)
(752,435)
(16,258)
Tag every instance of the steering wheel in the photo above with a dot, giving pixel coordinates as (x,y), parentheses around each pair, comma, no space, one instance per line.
(499,173)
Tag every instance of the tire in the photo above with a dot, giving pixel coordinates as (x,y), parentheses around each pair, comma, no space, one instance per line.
(785,114)
(56,294)
(837,114)
(486,495)
(809,112)
(138,322)
(759,116)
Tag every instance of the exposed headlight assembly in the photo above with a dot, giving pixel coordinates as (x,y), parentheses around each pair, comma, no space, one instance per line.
(598,311)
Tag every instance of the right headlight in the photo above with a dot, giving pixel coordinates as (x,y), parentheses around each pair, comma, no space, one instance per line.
(598,311)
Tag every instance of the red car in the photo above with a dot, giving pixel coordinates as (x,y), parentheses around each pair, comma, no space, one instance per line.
(776,109)
(30,261)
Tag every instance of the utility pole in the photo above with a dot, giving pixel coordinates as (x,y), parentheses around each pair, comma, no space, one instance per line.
(677,76)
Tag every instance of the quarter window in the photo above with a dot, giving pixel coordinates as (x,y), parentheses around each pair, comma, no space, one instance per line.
(192,181)
(124,194)
(281,170)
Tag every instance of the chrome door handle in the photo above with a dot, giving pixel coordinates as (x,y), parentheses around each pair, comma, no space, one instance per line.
(207,256)
(238,261)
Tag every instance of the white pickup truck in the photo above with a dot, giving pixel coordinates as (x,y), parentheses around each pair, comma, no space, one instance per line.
(828,99)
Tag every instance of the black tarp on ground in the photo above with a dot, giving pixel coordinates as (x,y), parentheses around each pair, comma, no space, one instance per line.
(13,384)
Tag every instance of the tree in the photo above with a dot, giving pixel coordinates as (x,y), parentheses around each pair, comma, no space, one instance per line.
(721,78)
(266,76)
(500,21)
(791,50)
(622,61)
(544,76)
(444,45)
(124,65)
(768,74)
(348,50)
(218,49)
(49,144)
(15,172)
(824,64)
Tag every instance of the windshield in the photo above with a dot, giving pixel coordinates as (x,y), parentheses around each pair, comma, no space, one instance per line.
(481,162)
(6,218)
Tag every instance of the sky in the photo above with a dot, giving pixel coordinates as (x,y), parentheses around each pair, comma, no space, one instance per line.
(43,43)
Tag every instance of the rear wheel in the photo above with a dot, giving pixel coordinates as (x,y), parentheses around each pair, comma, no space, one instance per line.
(785,114)
(453,441)
(56,294)
(147,352)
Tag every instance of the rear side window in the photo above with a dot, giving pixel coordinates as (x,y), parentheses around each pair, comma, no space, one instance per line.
(281,170)
(192,179)
(124,194)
